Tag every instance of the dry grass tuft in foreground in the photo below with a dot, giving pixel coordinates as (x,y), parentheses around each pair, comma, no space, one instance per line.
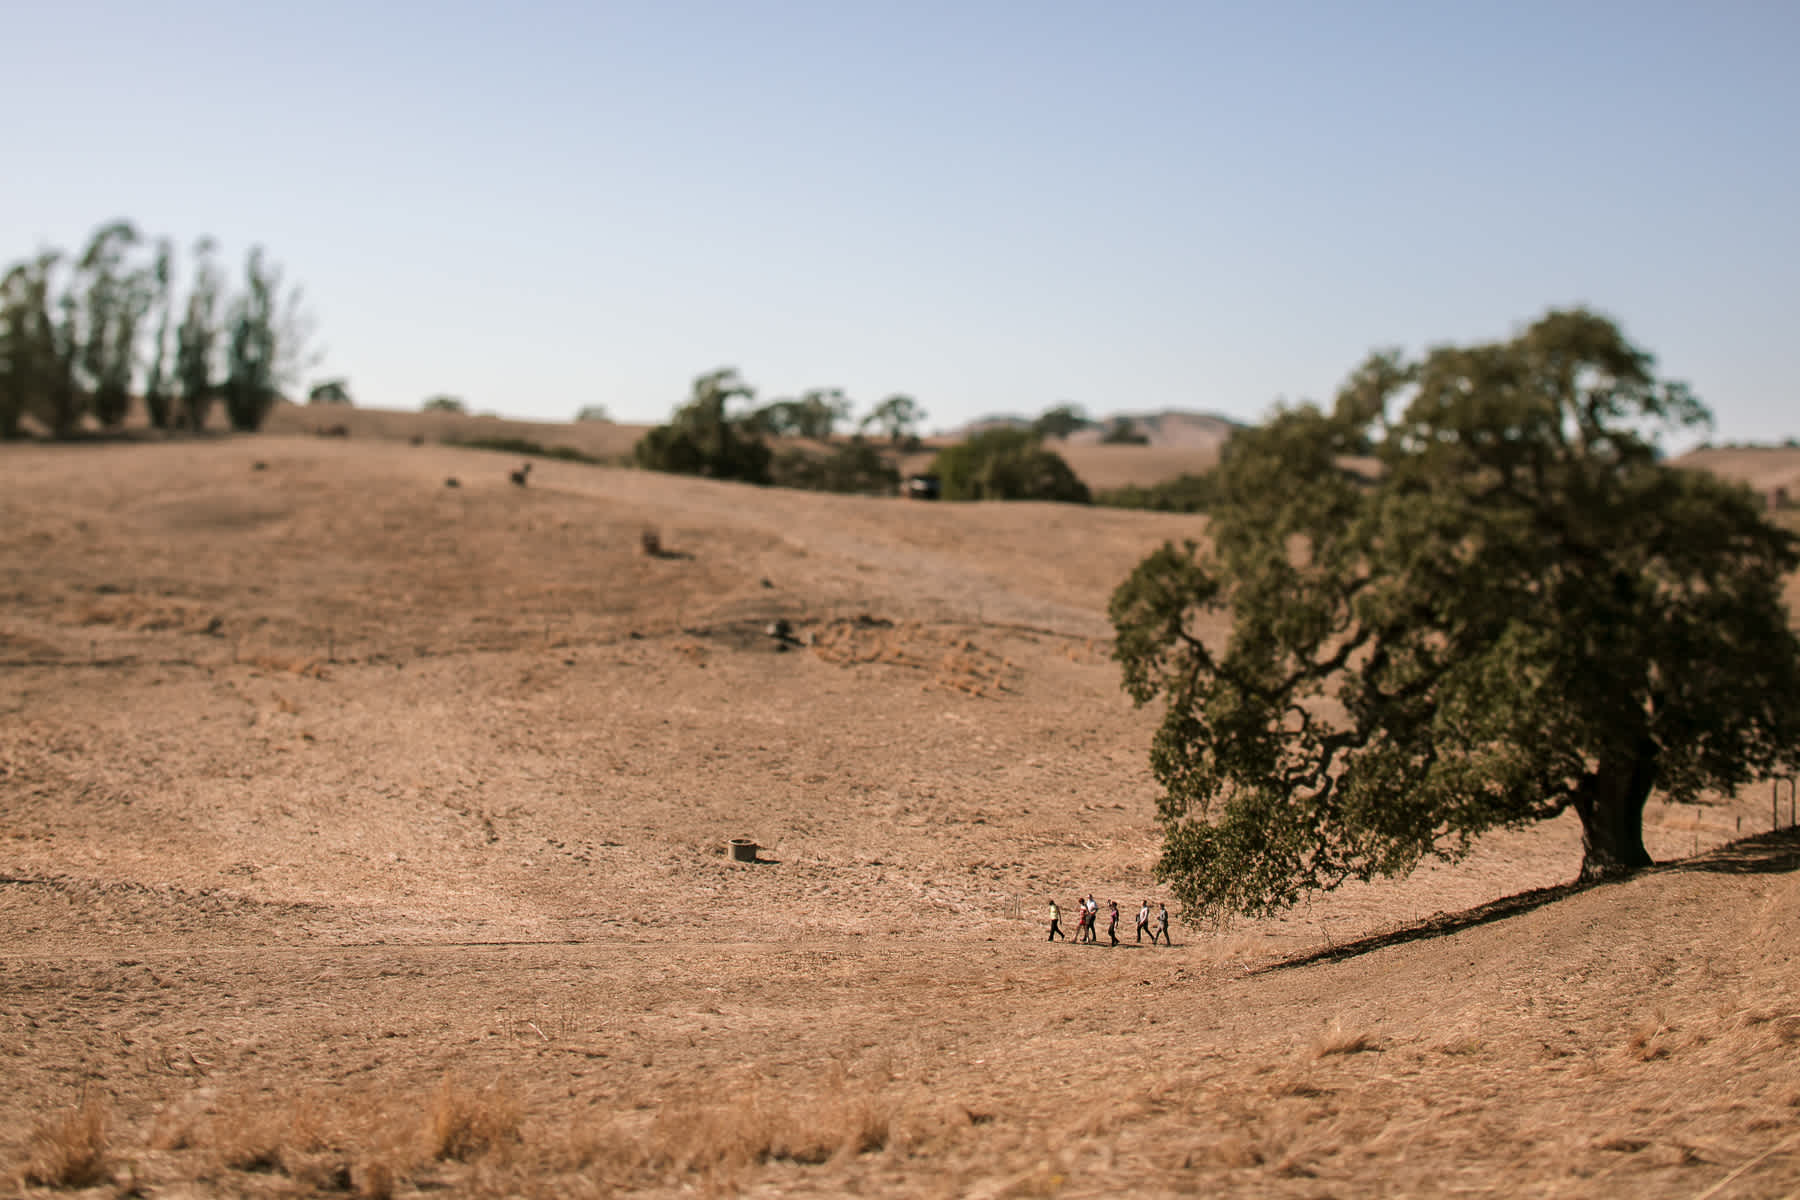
(370,1145)
(380,1145)
(1338,1040)
(715,1141)
(465,1123)
(760,1128)
(68,1150)
(1650,1040)
(250,1138)
(374,1180)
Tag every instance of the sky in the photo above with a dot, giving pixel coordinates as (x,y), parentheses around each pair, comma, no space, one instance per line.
(991,207)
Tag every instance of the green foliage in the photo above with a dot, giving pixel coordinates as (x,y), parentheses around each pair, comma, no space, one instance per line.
(159,399)
(72,333)
(855,467)
(32,366)
(820,412)
(524,447)
(330,391)
(706,438)
(444,404)
(116,298)
(1184,494)
(197,341)
(268,336)
(68,333)
(1522,611)
(1061,421)
(249,384)
(1123,431)
(898,418)
(66,400)
(1006,464)
(594,412)
(778,419)
(815,415)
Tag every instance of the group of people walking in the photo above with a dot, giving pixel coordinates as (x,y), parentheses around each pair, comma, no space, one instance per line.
(1087,917)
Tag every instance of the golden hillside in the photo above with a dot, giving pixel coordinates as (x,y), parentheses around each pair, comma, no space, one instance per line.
(368,835)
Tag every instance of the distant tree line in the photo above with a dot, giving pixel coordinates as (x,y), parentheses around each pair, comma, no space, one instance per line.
(1186,493)
(721,432)
(1788,443)
(1123,431)
(1006,464)
(81,334)
(331,391)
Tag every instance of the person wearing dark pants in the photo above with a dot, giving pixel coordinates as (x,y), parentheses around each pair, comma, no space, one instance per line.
(1143,925)
(1162,925)
(1112,921)
(1056,924)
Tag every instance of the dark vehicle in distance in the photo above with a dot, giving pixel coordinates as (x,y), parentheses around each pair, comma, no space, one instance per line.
(923,487)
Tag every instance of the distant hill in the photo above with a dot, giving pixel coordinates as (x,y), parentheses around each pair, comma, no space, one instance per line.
(1174,428)
(1764,468)
(991,421)
(1171,428)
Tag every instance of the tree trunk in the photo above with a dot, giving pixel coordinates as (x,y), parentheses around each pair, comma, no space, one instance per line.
(1610,803)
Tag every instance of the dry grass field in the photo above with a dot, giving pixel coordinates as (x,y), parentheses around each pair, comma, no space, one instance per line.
(367,836)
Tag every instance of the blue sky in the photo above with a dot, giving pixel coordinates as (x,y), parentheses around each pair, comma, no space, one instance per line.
(989,206)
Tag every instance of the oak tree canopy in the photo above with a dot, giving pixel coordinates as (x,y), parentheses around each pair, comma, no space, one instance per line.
(1470,595)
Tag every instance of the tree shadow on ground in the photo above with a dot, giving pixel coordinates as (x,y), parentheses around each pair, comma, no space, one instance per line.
(1770,853)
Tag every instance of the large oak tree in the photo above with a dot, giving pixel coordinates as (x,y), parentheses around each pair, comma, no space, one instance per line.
(1469,596)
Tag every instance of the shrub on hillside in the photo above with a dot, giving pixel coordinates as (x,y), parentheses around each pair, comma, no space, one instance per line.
(1184,494)
(1124,432)
(719,453)
(704,438)
(1006,464)
(331,391)
(524,446)
(1061,421)
(855,467)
